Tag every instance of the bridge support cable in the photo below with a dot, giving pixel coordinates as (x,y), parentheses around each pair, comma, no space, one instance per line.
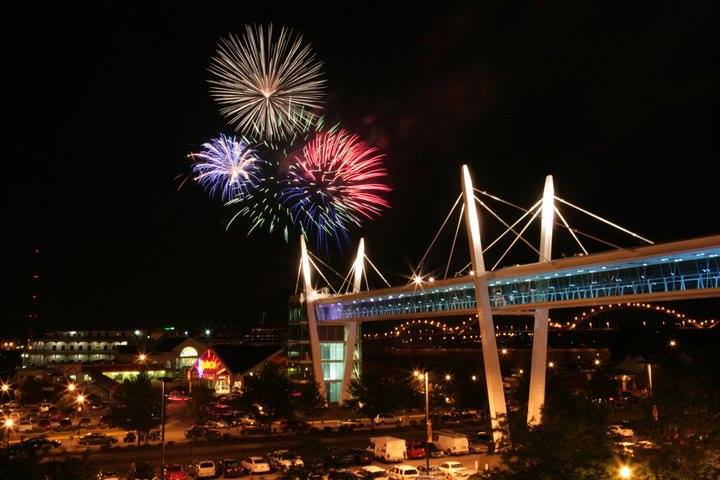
(519,236)
(510,228)
(491,360)
(482,192)
(297,280)
(315,257)
(608,222)
(419,266)
(538,363)
(322,275)
(565,223)
(377,271)
(452,248)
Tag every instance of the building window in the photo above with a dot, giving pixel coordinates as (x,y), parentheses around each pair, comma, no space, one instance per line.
(332,351)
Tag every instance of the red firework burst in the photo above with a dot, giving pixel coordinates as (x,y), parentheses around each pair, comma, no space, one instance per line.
(335,181)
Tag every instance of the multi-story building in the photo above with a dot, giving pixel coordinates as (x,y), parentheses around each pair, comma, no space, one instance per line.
(80,346)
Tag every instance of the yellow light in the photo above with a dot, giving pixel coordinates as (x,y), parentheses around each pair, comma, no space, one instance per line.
(432,279)
(551,364)
(9,422)
(597,362)
(474,378)
(417,280)
(360,404)
(522,371)
(416,374)
(81,398)
(5,387)
(71,387)
(504,351)
(448,377)
(673,343)
(142,357)
(625,472)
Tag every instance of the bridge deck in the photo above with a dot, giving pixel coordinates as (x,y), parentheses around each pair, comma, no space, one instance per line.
(687,269)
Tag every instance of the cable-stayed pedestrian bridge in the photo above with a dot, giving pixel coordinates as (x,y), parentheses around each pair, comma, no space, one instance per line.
(671,271)
(654,272)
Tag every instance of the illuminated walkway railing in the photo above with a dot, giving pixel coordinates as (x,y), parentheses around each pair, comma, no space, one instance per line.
(688,270)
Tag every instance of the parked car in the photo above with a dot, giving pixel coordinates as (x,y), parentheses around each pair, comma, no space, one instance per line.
(203,469)
(54,414)
(174,472)
(97,438)
(371,472)
(44,424)
(361,456)
(40,443)
(284,459)
(387,420)
(256,465)
(621,430)
(232,468)
(141,471)
(414,450)
(294,426)
(217,423)
(108,474)
(200,432)
(130,437)
(65,424)
(433,451)
(85,422)
(25,426)
(450,468)
(178,396)
(402,472)
(336,458)
(97,405)
(45,407)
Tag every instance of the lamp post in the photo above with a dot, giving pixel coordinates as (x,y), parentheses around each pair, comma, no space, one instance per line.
(162,425)
(428,423)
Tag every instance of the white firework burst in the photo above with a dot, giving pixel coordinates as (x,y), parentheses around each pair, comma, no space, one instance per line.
(266,83)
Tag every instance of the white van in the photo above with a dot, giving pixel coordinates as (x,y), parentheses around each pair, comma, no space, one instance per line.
(451,443)
(388,449)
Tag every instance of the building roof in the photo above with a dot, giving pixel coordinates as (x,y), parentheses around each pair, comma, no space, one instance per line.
(174,344)
(241,358)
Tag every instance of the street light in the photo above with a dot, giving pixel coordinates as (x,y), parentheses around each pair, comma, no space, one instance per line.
(673,343)
(5,388)
(9,424)
(142,357)
(625,472)
(71,387)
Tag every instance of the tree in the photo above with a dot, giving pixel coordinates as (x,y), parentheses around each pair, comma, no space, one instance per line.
(31,391)
(136,406)
(686,429)
(202,395)
(268,393)
(377,393)
(570,443)
(310,402)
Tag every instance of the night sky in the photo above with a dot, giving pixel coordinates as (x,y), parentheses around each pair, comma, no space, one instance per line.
(103,103)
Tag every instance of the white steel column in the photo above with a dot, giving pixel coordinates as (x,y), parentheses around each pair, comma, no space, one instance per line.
(310,295)
(538,367)
(493,375)
(352,327)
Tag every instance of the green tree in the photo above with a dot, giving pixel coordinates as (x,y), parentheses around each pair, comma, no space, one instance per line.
(31,391)
(571,443)
(268,394)
(377,393)
(202,395)
(310,402)
(686,429)
(136,406)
